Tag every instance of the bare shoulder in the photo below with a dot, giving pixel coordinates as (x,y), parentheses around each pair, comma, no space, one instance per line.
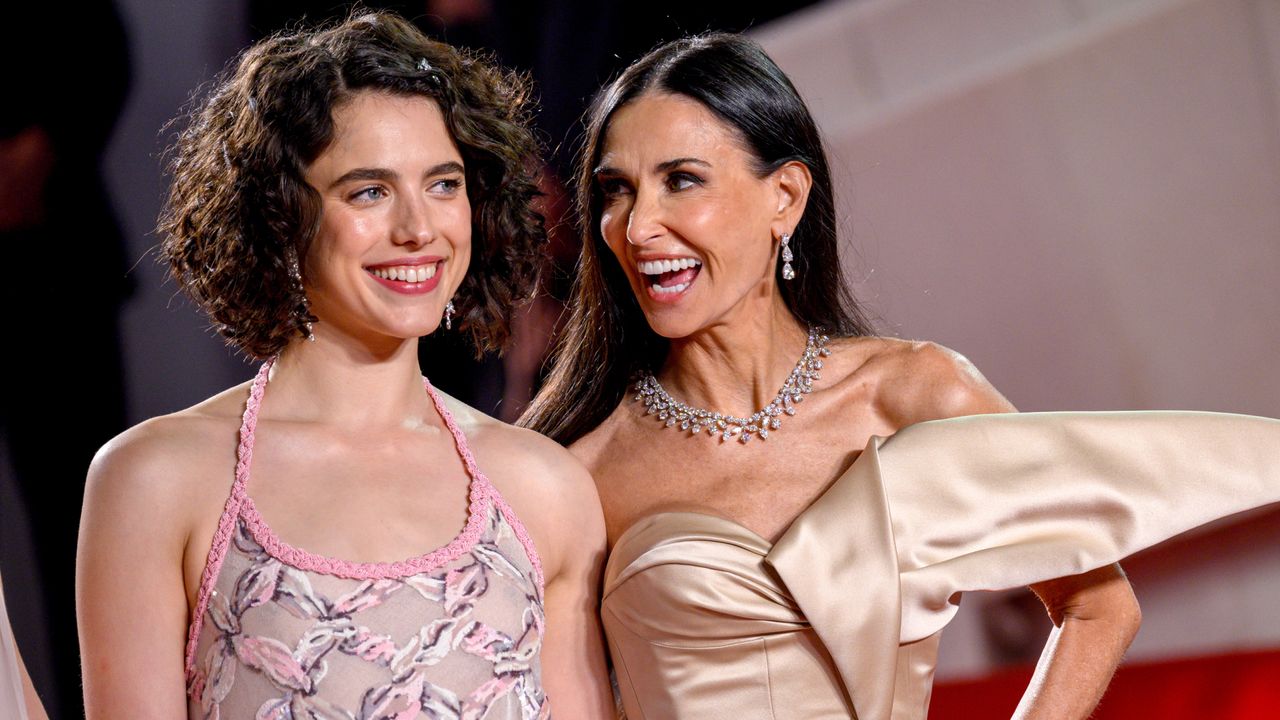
(593,448)
(549,488)
(915,381)
(538,459)
(166,463)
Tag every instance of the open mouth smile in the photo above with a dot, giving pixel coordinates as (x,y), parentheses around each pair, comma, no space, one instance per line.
(413,278)
(668,279)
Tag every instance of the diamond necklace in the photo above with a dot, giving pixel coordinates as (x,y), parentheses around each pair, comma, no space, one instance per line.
(799,383)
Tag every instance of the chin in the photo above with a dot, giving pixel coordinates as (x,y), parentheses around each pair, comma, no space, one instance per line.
(673,324)
(412,329)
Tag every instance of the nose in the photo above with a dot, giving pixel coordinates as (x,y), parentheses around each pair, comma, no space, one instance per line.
(644,222)
(413,226)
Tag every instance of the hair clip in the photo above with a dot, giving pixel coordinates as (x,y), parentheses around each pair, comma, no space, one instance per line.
(423,65)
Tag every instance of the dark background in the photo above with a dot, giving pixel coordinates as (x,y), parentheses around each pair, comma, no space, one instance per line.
(89,91)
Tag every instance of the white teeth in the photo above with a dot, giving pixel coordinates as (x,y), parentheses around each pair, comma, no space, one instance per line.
(670,290)
(406,273)
(657,267)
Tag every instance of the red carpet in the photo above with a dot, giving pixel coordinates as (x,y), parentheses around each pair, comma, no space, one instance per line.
(1239,686)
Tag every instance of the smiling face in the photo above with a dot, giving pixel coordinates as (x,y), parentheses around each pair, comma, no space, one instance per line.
(395,234)
(687,214)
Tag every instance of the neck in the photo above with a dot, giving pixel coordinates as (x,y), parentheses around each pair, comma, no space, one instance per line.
(348,384)
(736,365)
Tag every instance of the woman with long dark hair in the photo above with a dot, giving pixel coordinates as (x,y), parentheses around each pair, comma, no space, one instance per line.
(339,194)
(773,555)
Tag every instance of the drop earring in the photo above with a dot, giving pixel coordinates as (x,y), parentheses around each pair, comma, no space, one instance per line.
(448,315)
(302,309)
(788,272)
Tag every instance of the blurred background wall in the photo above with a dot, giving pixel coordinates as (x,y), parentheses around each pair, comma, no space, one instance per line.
(1082,196)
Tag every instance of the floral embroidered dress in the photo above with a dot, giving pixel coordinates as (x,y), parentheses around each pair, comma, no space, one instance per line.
(281,633)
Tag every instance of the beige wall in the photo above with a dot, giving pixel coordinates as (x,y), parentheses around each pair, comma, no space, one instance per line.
(1082,196)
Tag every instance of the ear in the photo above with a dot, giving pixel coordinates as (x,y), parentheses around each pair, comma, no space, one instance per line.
(791,184)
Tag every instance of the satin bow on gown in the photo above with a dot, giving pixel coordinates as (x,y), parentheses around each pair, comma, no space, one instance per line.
(841,617)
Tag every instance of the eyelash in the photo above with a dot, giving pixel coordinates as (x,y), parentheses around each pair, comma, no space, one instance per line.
(611,187)
(448,185)
(363,193)
(676,177)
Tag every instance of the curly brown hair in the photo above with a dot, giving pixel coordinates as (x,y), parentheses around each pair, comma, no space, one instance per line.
(239,211)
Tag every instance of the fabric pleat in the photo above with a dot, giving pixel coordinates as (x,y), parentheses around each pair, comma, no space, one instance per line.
(841,617)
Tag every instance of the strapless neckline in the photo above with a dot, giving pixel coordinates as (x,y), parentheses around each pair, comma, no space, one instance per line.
(697,518)
(657,529)
(695,602)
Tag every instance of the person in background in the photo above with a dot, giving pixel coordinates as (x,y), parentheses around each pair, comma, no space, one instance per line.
(65,75)
(18,697)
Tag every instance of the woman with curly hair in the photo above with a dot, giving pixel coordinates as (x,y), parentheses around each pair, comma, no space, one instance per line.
(340,194)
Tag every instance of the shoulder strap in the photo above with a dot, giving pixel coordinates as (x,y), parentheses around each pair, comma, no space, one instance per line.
(226,523)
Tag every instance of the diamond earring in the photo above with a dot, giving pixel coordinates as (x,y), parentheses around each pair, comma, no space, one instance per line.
(302,308)
(788,272)
(448,315)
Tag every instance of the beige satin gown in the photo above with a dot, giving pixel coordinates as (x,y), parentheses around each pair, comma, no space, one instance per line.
(841,617)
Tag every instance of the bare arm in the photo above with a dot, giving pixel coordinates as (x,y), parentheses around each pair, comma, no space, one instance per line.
(130,597)
(573,657)
(1095,615)
(556,499)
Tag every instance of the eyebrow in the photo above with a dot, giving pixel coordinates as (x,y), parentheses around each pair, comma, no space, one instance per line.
(673,164)
(666,166)
(385,175)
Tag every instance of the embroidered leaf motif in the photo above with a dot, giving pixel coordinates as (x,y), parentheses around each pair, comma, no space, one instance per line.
(430,645)
(368,646)
(370,593)
(407,699)
(245,543)
(220,669)
(520,658)
(221,615)
(319,640)
(273,659)
(484,641)
(430,587)
(275,709)
(256,586)
(352,620)
(313,707)
(492,558)
(478,702)
(462,587)
(294,593)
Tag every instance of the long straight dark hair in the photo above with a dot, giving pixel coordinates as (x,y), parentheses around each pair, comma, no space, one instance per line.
(606,340)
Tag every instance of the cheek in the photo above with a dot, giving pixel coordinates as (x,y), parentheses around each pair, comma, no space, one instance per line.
(341,234)
(456,225)
(613,228)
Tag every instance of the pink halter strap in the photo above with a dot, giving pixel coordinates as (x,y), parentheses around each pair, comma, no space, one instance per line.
(481,493)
